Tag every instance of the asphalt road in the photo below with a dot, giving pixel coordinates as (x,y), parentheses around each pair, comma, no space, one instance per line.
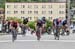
(37,45)
(33,37)
(30,42)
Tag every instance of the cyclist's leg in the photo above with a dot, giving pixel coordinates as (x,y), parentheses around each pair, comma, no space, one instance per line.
(63,30)
(38,33)
(23,31)
(14,34)
(12,31)
(55,33)
(58,33)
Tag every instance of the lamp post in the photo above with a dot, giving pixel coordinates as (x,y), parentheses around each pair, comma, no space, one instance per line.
(68,12)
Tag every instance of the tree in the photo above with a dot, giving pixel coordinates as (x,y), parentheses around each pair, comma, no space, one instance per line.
(2,3)
(72,3)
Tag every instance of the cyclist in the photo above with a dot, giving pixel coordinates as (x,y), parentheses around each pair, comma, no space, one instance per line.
(44,25)
(39,28)
(14,30)
(56,24)
(65,28)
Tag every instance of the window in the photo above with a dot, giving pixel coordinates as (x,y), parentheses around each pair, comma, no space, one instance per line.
(22,17)
(35,12)
(35,6)
(49,18)
(29,12)
(43,12)
(22,12)
(50,6)
(50,12)
(43,6)
(35,17)
(15,6)
(29,6)
(30,18)
(61,6)
(8,12)
(61,12)
(8,6)
(61,17)
(23,6)
(15,12)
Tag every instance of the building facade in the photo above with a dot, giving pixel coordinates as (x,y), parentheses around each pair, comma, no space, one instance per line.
(36,10)
(1,13)
(72,16)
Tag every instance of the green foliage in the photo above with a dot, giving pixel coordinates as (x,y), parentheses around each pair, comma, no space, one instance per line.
(49,24)
(15,19)
(12,0)
(72,3)
(32,25)
(27,0)
(2,3)
(19,20)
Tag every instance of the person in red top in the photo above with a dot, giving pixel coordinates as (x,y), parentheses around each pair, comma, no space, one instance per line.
(14,30)
(14,24)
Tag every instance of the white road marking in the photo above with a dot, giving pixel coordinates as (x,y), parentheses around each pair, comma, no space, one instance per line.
(37,41)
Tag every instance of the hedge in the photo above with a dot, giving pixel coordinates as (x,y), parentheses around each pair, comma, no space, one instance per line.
(49,23)
(31,24)
(15,19)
